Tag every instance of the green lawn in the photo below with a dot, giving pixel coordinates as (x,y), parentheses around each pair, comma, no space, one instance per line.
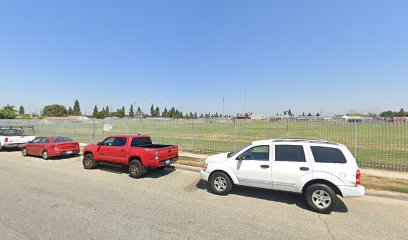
(375,145)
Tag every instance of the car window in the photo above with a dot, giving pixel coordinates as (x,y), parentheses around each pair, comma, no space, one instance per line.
(62,139)
(139,141)
(260,153)
(13,132)
(119,142)
(108,142)
(289,153)
(44,140)
(328,155)
(37,140)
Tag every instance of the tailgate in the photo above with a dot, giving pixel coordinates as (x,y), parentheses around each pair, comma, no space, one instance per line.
(19,139)
(168,152)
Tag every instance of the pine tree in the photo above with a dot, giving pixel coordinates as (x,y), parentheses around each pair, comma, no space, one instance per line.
(157,111)
(131,111)
(21,111)
(70,111)
(164,113)
(77,109)
(152,111)
(95,112)
(107,111)
(290,113)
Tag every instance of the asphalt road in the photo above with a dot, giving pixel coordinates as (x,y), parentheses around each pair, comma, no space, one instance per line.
(58,199)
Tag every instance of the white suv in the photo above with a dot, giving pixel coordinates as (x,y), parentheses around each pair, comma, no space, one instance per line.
(319,170)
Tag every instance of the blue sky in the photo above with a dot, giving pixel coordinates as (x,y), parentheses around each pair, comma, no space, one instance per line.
(311,56)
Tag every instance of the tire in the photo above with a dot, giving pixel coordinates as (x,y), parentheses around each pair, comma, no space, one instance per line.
(321,198)
(44,155)
(88,162)
(220,183)
(136,169)
(24,152)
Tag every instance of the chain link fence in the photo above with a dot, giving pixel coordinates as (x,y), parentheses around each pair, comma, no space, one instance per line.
(375,144)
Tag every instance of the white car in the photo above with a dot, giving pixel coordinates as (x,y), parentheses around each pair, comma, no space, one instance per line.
(319,170)
(15,137)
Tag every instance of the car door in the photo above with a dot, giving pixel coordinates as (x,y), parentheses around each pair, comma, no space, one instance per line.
(119,150)
(32,147)
(105,149)
(252,167)
(289,166)
(41,146)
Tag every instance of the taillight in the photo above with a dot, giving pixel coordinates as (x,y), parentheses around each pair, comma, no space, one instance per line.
(156,155)
(358,176)
(6,140)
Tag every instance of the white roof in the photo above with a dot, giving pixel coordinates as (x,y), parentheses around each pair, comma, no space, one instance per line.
(294,140)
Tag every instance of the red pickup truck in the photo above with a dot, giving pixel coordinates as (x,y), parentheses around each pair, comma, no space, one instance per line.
(135,151)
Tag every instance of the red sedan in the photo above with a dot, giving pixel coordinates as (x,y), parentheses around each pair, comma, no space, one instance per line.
(48,147)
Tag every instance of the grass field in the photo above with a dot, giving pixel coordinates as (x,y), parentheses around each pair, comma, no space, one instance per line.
(375,145)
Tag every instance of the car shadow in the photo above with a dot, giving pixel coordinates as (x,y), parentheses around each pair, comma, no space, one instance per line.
(57,158)
(273,195)
(151,173)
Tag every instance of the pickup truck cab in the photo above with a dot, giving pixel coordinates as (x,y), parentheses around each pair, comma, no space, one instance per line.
(319,170)
(135,151)
(15,137)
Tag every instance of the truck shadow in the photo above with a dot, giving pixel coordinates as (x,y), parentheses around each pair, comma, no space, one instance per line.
(273,195)
(151,173)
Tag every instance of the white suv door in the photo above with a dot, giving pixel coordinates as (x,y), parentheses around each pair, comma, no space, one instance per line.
(289,165)
(252,167)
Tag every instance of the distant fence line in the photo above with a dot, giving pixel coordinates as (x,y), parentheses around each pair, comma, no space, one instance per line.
(375,144)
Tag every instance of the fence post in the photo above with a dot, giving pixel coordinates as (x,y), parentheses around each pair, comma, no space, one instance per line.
(93,130)
(235,136)
(355,140)
(192,135)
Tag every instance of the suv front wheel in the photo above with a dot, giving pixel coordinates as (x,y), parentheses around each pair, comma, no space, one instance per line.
(220,183)
(321,198)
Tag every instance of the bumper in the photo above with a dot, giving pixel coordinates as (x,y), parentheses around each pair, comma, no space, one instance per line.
(204,175)
(63,153)
(13,145)
(350,192)
(167,162)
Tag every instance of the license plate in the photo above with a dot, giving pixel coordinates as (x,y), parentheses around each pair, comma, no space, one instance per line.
(69,152)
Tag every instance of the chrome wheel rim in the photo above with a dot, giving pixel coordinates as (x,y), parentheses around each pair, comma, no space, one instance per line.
(321,199)
(88,162)
(24,152)
(45,155)
(220,184)
(134,170)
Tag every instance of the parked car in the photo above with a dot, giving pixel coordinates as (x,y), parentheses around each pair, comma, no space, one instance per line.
(15,136)
(48,147)
(135,151)
(319,170)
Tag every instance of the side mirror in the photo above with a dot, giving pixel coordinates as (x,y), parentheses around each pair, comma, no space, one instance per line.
(240,157)
(99,143)
(30,142)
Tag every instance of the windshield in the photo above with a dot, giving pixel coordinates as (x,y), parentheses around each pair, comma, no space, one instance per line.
(62,139)
(230,154)
(3,132)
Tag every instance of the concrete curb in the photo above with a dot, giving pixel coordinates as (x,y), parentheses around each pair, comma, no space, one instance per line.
(369,192)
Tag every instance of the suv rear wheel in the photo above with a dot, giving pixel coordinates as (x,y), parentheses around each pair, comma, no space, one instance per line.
(321,198)
(220,183)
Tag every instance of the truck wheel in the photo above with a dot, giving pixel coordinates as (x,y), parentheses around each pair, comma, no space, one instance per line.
(220,183)
(45,155)
(89,162)
(136,169)
(24,152)
(321,198)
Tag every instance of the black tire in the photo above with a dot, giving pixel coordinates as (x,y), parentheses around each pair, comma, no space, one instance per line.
(1,149)
(136,169)
(24,152)
(321,198)
(220,183)
(88,162)
(44,155)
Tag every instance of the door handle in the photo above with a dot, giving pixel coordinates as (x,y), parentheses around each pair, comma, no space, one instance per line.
(264,166)
(304,169)
(122,150)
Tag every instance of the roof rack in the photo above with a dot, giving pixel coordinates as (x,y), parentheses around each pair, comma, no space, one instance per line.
(304,140)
